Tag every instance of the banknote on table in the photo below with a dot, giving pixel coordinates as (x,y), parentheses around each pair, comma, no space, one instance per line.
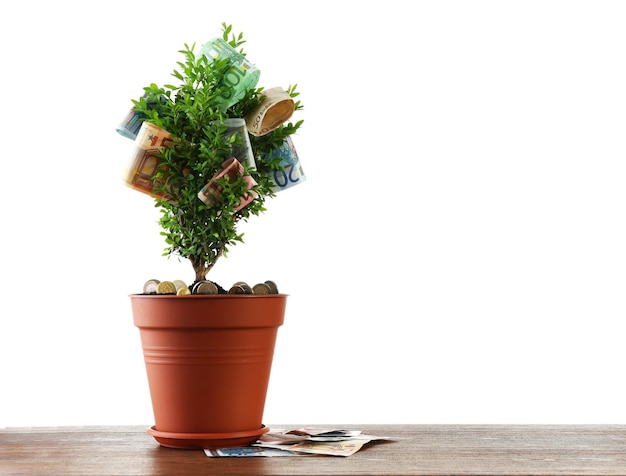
(311,434)
(320,441)
(247,451)
(303,442)
(330,448)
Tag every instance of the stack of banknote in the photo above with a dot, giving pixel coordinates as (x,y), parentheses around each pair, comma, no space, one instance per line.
(302,442)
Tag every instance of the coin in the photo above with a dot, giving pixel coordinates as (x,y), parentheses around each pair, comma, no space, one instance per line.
(193,286)
(273,287)
(183,291)
(245,286)
(205,287)
(166,287)
(179,283)
(150,287)
(237,289)
(261,288)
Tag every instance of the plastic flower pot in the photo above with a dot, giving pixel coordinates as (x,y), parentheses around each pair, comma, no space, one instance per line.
(208,360)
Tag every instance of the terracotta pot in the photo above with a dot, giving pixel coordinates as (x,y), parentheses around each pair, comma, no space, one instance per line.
(208,360)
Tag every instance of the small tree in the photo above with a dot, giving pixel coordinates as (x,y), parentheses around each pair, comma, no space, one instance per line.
(193,114)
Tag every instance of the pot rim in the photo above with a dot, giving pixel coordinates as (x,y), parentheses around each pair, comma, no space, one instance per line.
(206,296)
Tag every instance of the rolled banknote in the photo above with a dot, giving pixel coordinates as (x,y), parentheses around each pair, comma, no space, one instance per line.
(241,149)
(130,125)
(239,79)
(292,172)
(211,193)
(275,108)
(144,164)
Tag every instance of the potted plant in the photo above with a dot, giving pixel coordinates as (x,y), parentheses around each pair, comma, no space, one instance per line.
(210,149)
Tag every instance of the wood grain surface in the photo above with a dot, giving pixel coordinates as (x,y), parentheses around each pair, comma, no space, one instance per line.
(415,450)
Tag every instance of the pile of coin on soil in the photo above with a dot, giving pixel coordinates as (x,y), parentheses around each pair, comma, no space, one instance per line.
(180,288)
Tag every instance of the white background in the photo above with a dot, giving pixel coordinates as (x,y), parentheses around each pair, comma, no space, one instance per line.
(456,255)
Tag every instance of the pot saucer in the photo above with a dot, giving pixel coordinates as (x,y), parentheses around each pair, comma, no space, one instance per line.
(206,440)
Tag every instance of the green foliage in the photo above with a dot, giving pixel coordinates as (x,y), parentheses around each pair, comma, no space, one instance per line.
(188,110)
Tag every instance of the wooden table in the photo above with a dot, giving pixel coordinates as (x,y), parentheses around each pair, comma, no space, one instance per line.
(417,450)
